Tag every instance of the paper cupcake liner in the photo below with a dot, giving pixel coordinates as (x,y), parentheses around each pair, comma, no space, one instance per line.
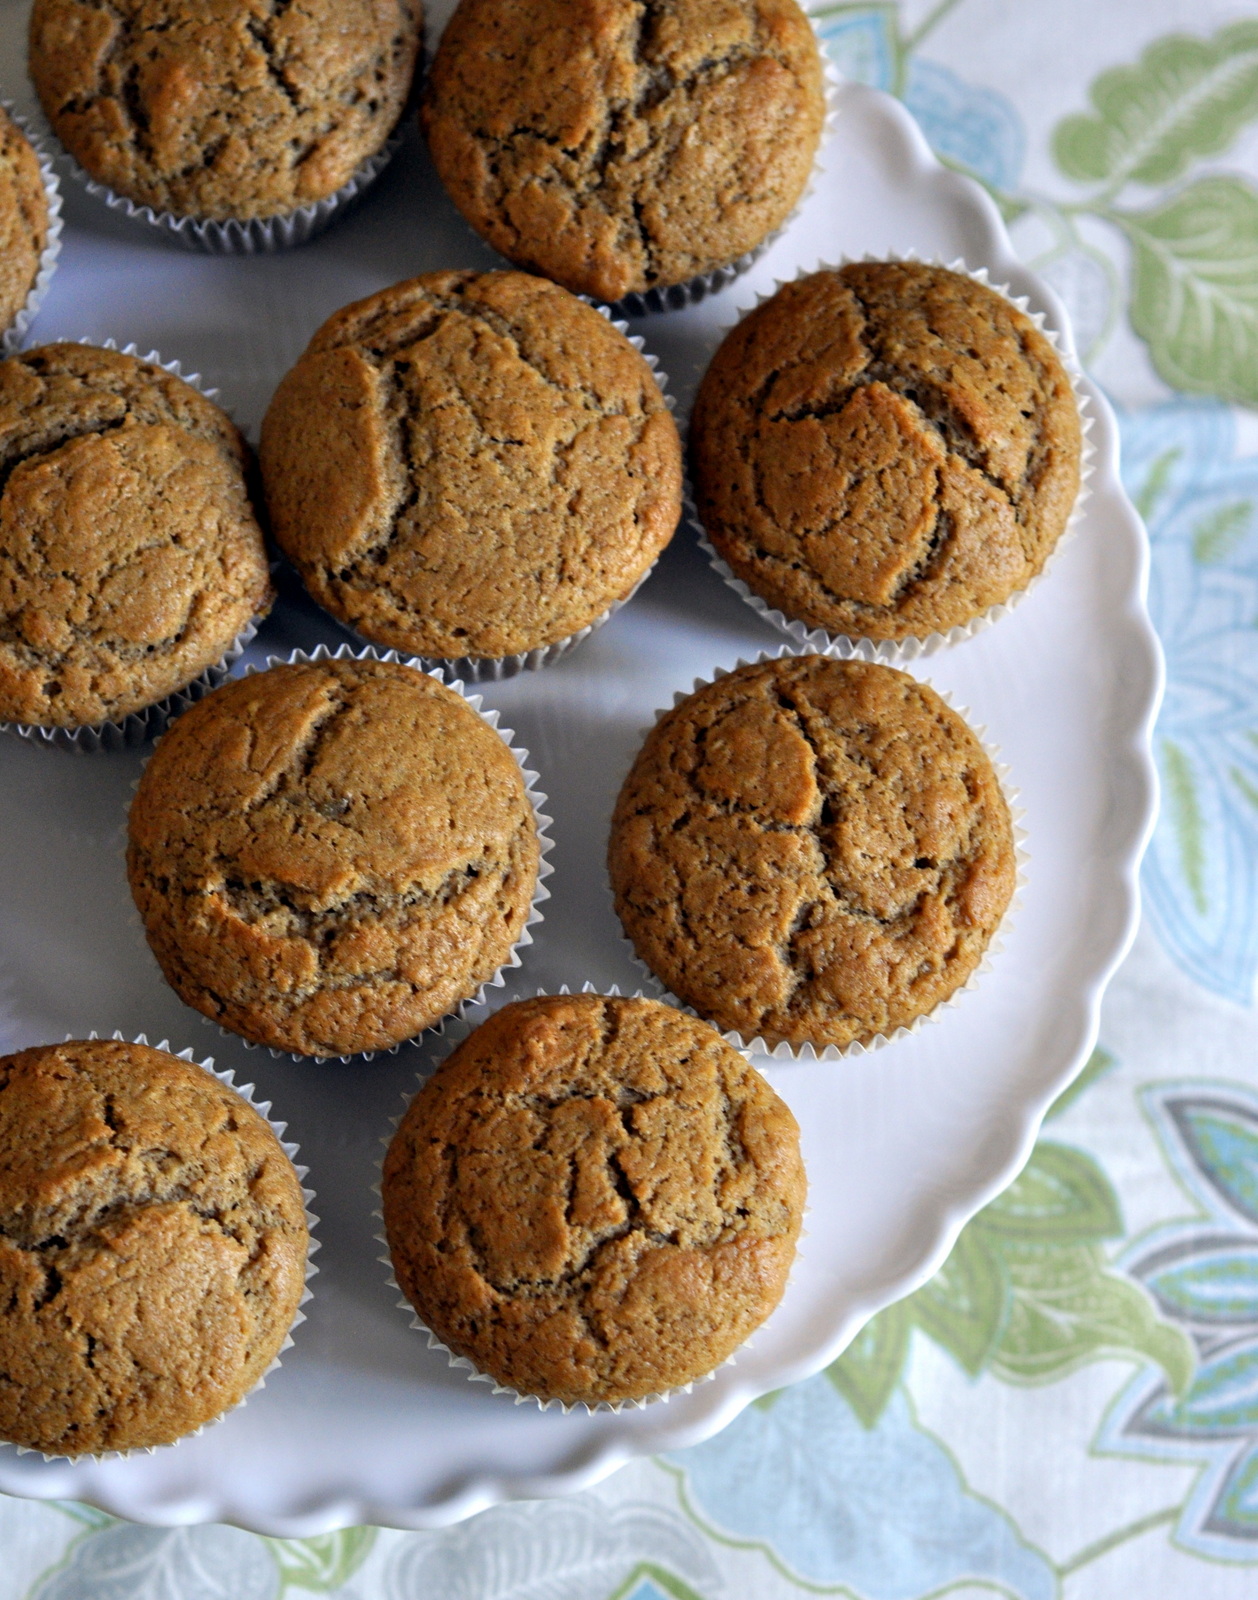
(137,727)
(451,1033)
(898,652)
(493,669)
(263,1108)
(535,797)
(15,333)
(757,1046)
(236,236)
(696,289)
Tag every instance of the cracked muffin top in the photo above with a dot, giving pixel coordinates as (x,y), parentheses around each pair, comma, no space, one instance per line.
(594,1199)
(223,108)
(619,146)
(130,555)
(152,1247)
(23,219)
(329,857)
(885,450)
(812,850)
(470,464)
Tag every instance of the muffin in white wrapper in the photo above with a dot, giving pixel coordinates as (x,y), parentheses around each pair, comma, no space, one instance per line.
(782,1049)
(117,1124)
(12,337)
(633,1092)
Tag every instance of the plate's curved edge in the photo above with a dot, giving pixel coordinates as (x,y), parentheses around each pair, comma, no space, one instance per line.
(1134,783)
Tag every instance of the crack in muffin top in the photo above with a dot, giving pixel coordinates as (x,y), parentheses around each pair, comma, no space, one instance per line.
(152,1247)
(623,145)
(470,464)
(886,450)
(812,850)
(594,1199)
(223,108)
(328,857)
(23,219)
(130,555)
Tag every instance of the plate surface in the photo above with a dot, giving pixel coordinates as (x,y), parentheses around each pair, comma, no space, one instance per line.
(362,1424)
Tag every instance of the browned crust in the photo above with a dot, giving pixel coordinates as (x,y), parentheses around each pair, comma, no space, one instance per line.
(623,145)
(152,1247)
(327,858)
(23,219)
(812,850)
(886,450)
(223,108)
(594,1199)
(470,464)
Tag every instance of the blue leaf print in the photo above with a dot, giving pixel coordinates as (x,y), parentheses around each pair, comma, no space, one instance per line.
(1221,1141)
(977,129)
(1221,1402)
(1201,505)
(1238,1498)
(861,46)
(1216,1283)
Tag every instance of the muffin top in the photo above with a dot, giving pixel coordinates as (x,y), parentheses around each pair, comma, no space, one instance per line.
(130,556)
(618,146)
(223,108)
(328,857)
(470,464)
(594,1199)
(23,219)
(886,450)
(152,1247)
(812,850)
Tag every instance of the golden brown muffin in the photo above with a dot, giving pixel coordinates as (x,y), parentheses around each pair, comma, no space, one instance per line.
(812,850)
(594,1199)
(223,108)
(470,464)
(23,219)
(886,450)
(620,146)
(130,555)
(329,857)
(153,1247)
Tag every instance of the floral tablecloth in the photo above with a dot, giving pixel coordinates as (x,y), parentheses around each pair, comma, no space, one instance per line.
(1071,1407)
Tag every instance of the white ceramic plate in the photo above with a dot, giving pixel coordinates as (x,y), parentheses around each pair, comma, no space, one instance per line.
(363,1424)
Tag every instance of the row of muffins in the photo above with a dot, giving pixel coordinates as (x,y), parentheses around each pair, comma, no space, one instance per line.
(479,468)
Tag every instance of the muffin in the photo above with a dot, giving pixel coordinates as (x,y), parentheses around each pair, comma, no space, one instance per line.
(470,464)
(23,219)
(620,148)
(223,108)
(130,555)
(885,451)
(329,856)
(812,851)
(593,1200)
(153,1247)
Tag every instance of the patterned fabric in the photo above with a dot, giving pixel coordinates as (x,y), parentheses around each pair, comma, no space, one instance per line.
(1071,1407)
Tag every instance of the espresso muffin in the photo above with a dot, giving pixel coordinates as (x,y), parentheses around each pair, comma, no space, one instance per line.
(620,147)
(223,108)
(812,851)
(153,1247)
(470,464)
(887,450)
(329,856)
(130,555)
(594,1200)
(23,219)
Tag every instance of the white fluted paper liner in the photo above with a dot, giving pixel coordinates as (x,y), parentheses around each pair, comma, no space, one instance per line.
(536,799)
(451,1033)
(679,296)
(137,727)
(15,333)
(246,1092)
(898,652)
(784,1050)
(493,669)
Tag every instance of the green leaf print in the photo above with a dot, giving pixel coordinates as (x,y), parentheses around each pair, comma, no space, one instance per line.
(869,1369)
(963,1306)
(666,1582)
(1096,1066)
(1060,1195)
(325,1562)
(1185,813)
(1194,288)
(1216,536)
(1185,97)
